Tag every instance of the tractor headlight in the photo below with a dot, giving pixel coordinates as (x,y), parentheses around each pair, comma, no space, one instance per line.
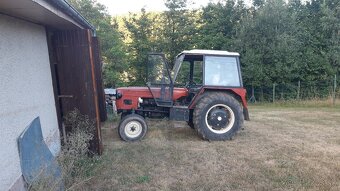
(118,95)
(140,100)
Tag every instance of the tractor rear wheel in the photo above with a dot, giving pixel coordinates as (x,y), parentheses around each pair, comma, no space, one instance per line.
(132,128)
(218,116)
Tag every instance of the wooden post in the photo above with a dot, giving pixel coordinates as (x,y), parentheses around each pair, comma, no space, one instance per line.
(298,90)
(274,92)
(97,138)
(334,90)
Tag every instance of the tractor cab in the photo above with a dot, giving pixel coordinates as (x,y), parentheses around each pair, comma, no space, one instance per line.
(191,71)
(204,88)
(208,68)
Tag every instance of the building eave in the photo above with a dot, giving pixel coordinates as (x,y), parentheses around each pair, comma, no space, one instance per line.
(53,13)
(68,9)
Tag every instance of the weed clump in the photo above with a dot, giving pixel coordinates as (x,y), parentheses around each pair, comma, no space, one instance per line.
(74,158)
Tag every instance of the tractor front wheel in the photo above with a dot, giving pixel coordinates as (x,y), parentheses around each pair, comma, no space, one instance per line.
(218,116)
(132,128)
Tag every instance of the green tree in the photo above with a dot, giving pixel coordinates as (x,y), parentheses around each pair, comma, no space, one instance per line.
(219,24)
(111,44)
(268,45)
(330,23)
(314,68)
(140,32)
(178,28)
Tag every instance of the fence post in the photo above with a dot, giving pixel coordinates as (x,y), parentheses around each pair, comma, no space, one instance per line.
(298,90)
(334,90)
(252,98)
(274,92)
(253,93)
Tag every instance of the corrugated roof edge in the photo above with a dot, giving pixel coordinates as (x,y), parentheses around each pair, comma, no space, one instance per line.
(73,13)
(209,52)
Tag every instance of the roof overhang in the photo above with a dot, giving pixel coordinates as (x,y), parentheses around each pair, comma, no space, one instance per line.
(43,12)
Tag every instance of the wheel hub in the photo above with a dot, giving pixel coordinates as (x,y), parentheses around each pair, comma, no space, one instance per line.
(218,119)
(133,129)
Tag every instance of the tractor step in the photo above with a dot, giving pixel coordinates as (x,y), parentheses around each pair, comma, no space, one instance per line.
(163,103)
(179,113)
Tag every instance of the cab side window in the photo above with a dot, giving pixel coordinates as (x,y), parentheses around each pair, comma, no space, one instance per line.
(198,72)
(221,71)
(183,73)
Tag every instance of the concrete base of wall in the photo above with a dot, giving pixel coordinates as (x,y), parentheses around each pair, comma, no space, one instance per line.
(19,185)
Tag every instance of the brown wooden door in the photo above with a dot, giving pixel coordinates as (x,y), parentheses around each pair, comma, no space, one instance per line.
(78,71)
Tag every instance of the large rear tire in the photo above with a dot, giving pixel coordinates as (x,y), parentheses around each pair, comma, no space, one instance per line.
(217,116)
(132,128)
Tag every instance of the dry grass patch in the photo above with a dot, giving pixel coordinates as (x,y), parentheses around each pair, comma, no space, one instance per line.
(280,149)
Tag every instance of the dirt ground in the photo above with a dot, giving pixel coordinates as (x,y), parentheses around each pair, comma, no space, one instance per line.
(279,149)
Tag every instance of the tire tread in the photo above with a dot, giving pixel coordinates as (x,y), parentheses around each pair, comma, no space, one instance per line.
(198,114)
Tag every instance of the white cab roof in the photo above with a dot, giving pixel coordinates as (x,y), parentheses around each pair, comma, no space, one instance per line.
(210,52)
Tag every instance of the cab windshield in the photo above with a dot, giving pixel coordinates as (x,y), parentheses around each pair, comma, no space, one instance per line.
(177,66)
(157,69)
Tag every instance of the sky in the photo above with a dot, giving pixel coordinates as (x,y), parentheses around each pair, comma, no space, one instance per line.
(119,7)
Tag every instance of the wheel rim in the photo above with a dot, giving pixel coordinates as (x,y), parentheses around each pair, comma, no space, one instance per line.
(133,129)
(220,118)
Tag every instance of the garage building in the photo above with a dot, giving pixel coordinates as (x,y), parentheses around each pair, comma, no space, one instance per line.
(49,65)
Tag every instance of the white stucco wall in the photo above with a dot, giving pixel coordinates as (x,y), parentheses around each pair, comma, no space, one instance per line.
(26,92)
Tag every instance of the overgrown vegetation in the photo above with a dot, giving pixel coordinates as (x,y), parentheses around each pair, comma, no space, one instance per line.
(77,167)
(74,157)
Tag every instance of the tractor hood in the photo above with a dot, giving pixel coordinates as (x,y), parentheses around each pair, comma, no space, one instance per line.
(127,98)
(144,92)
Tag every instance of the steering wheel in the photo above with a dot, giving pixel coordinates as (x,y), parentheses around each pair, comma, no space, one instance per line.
(190,84)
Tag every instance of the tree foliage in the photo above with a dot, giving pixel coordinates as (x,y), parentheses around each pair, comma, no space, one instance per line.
(178,28)
(279,42)
(140,30)
(112,47)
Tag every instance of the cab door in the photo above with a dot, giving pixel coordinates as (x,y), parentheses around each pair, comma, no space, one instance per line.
(159,80)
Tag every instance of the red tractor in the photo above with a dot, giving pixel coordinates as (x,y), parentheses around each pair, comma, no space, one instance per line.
(204,89)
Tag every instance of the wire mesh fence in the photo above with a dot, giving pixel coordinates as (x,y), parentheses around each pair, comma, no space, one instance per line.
(298,90)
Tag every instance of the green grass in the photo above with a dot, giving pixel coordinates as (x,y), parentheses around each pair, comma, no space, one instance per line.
(143,179)
(312,103)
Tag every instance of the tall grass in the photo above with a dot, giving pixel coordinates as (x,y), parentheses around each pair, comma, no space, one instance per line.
(74,158)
